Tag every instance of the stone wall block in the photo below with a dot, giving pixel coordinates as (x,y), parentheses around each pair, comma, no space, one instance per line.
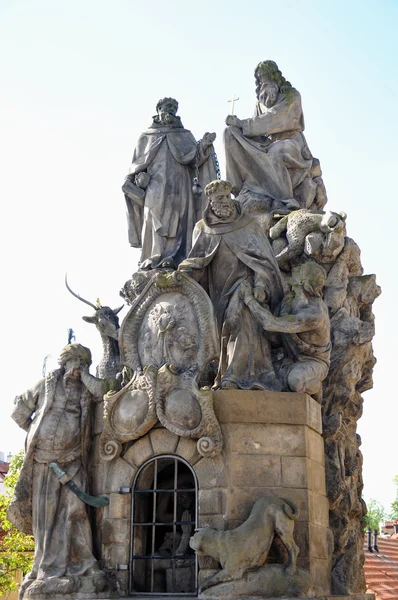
(316,477)
(187,449)
(302,539)
(251,470)
(284,440)
(116,531)
(315,446)
(319,509)
(318,541)
(254,406)
(116,554)
(314,414)
(163,441)
(320,574)
(215,521)
(139,452)
(210,502)
(241,501)
(294,472)
(211,473)
(119,474)
(119,506)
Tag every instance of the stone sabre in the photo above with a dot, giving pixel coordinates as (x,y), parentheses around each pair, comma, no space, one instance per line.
(304,320)
(162,208)
(56,416)
(230,247)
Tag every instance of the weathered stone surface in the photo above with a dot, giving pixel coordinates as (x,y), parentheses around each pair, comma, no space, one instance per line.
(295,472)
(252,406)
(116,531)
(187,449)
(210,502)
(139,452)
(315,446)
(252,470)
(211,473)
(319,508)
(282,440)
(120,474)
(163,441)
(119,506)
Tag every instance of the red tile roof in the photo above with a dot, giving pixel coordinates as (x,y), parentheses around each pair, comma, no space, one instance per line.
(381,570)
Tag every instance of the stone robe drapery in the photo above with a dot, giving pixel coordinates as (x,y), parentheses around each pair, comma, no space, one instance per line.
(223,255)
(269,155)
(42,505)
(163,226)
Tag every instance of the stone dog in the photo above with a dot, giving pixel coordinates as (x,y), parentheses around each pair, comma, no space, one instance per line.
(247,546)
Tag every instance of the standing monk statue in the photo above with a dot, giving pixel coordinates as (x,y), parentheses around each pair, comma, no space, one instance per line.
(162,208)
(56,415)
(268,153)
(230,247)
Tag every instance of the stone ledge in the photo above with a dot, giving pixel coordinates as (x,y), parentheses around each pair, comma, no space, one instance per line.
(260,406)
(102,597)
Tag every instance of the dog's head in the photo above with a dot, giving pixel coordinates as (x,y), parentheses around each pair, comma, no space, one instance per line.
(198,541)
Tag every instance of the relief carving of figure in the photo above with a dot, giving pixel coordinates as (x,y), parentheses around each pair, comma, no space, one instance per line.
(230,247)
(304,319)
(162,208)
(268,154)
(56,415)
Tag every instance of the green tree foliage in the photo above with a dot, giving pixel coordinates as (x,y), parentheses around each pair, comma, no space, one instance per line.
(394,505)
(16,548)
(375,515)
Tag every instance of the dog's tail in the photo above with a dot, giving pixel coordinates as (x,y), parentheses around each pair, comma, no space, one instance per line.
(291,509)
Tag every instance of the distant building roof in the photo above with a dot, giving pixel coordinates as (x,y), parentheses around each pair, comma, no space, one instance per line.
(4,466)
(381,570)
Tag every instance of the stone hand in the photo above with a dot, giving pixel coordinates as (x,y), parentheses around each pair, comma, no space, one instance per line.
(259,294)
(208,139)
(142,180)
(186,528)
(233,121)
(246,291)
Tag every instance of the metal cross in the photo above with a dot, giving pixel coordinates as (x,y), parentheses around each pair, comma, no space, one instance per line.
(233,100)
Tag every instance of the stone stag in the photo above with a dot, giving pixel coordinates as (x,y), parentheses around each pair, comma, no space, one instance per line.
(107,322)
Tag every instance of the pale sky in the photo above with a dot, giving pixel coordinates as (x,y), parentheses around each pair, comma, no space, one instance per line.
(80,81)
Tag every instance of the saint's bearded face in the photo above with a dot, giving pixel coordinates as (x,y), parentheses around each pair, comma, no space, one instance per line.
(268,93)
(222,205)
(167,113)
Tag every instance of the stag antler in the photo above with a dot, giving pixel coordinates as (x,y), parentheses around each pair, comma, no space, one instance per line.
(77,295)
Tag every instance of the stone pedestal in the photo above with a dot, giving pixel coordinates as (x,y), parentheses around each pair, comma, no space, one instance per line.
(272,445)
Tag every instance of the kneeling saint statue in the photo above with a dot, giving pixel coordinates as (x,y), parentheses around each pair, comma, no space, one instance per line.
(230,247)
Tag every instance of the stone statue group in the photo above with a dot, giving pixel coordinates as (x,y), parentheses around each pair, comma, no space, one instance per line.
(244,275)
(223,243)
